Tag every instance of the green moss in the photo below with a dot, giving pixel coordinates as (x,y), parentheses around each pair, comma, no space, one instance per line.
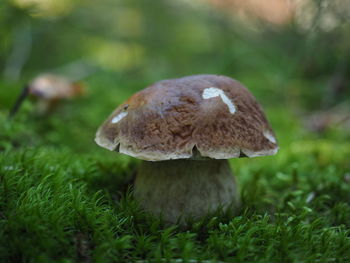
(63,199)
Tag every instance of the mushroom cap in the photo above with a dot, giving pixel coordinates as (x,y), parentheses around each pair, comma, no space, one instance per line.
(53,87)
(207,115)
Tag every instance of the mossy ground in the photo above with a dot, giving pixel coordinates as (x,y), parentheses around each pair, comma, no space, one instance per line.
(64,199)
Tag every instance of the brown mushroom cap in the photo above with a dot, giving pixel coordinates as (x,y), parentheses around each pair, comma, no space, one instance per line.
(53,87)
(214,115)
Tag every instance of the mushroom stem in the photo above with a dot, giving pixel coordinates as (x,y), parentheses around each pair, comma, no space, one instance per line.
(185,188)
(22,96)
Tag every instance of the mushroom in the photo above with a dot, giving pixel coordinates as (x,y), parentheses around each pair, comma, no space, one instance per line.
(48,90)
(184,130)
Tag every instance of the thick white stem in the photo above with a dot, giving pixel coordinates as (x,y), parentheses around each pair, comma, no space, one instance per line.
(185,188)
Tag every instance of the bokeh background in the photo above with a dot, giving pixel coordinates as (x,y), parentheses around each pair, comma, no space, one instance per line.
(293,55)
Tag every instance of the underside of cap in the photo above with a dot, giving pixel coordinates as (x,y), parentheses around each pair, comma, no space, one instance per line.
(193,154)
(197,117)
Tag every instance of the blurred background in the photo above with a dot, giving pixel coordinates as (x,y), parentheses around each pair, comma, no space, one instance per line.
(294,55)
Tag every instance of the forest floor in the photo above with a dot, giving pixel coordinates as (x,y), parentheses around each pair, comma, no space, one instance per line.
(64,199)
